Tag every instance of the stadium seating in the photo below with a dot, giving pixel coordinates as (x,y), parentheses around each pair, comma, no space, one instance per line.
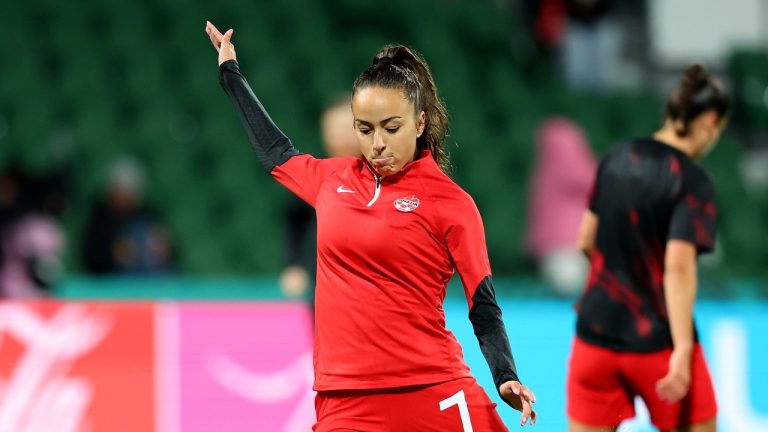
(140,78)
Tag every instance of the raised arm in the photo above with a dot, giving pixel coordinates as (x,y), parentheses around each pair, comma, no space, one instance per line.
(465,239)
(301,174)
(269,143)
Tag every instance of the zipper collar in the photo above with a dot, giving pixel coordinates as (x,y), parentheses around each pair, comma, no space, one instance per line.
(376,191)
(368,171)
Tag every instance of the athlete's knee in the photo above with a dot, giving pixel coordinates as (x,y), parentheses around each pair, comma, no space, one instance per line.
(574,426)
(706,426)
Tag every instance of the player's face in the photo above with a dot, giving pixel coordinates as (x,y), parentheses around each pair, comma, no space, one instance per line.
(708,130)
(387,127)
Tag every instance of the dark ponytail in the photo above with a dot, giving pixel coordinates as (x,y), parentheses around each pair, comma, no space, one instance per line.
(697,93)
(397,66)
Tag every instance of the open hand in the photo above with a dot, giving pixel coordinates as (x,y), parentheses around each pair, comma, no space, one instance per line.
(520,398)
(221,42)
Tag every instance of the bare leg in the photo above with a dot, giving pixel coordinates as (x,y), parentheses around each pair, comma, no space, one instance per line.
(707,426)
(574,426)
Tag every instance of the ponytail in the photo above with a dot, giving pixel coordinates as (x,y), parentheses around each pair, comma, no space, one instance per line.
(397,66)
(697,93)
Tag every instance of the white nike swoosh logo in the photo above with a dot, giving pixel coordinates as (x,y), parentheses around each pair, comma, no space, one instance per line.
(341,189)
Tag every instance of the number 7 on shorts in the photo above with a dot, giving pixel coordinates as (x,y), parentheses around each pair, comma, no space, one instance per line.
(461,401)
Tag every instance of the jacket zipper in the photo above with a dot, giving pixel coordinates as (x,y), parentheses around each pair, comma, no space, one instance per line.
(376,192)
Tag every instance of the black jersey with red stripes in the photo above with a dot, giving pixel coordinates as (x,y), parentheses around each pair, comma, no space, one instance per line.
(645,193)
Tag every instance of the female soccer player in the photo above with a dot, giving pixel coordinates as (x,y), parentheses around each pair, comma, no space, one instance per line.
(391,228)
(651,212)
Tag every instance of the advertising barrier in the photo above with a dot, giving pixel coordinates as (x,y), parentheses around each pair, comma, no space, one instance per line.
(170,367)
(76,367)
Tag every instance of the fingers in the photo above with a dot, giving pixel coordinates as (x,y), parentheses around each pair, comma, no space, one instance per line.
(528,399)
(214,34)
(520,398)
(227,36)
(213,30)
(527,409)
(662,386)
(522,391)
(528,394)
(671,390)
(529,414)
(216,44)
(226,49)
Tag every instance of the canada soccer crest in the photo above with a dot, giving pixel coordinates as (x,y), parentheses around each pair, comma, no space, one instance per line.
(407,204)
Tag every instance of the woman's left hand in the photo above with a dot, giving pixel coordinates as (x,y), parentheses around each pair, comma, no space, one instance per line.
(222,42)
(520,398)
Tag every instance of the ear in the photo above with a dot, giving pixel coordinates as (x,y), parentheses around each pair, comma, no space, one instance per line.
(710,119)
(421,123)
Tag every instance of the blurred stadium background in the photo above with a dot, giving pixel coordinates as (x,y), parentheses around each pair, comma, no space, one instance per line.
(99,93)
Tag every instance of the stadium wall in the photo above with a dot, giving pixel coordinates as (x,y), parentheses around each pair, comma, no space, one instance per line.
(236,366)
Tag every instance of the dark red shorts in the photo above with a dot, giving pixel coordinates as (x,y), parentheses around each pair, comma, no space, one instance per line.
(458,405)
(602,385)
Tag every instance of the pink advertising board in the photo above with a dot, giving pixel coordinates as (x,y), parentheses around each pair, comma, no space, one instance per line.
(165,367)
(244,368)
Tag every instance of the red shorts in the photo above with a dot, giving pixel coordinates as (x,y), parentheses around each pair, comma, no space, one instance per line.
(458,405)
(602,385)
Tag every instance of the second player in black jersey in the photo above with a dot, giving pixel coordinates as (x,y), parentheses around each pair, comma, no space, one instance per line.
(651,212)
(646,193)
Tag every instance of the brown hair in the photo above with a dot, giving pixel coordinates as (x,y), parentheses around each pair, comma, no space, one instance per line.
(399,67)
(697,93)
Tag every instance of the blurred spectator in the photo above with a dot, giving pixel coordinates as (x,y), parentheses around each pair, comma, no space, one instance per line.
(591,45)
(32,248)
(122,235)
(339,140)
(586,36)
(535,47)
(562,177)
(546,22)
(31,238)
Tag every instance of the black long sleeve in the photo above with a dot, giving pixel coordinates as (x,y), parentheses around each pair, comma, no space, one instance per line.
(299,234)
(485,316)
(271,145)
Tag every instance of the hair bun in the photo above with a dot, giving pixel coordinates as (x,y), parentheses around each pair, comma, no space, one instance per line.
(695,77)
(697,92)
